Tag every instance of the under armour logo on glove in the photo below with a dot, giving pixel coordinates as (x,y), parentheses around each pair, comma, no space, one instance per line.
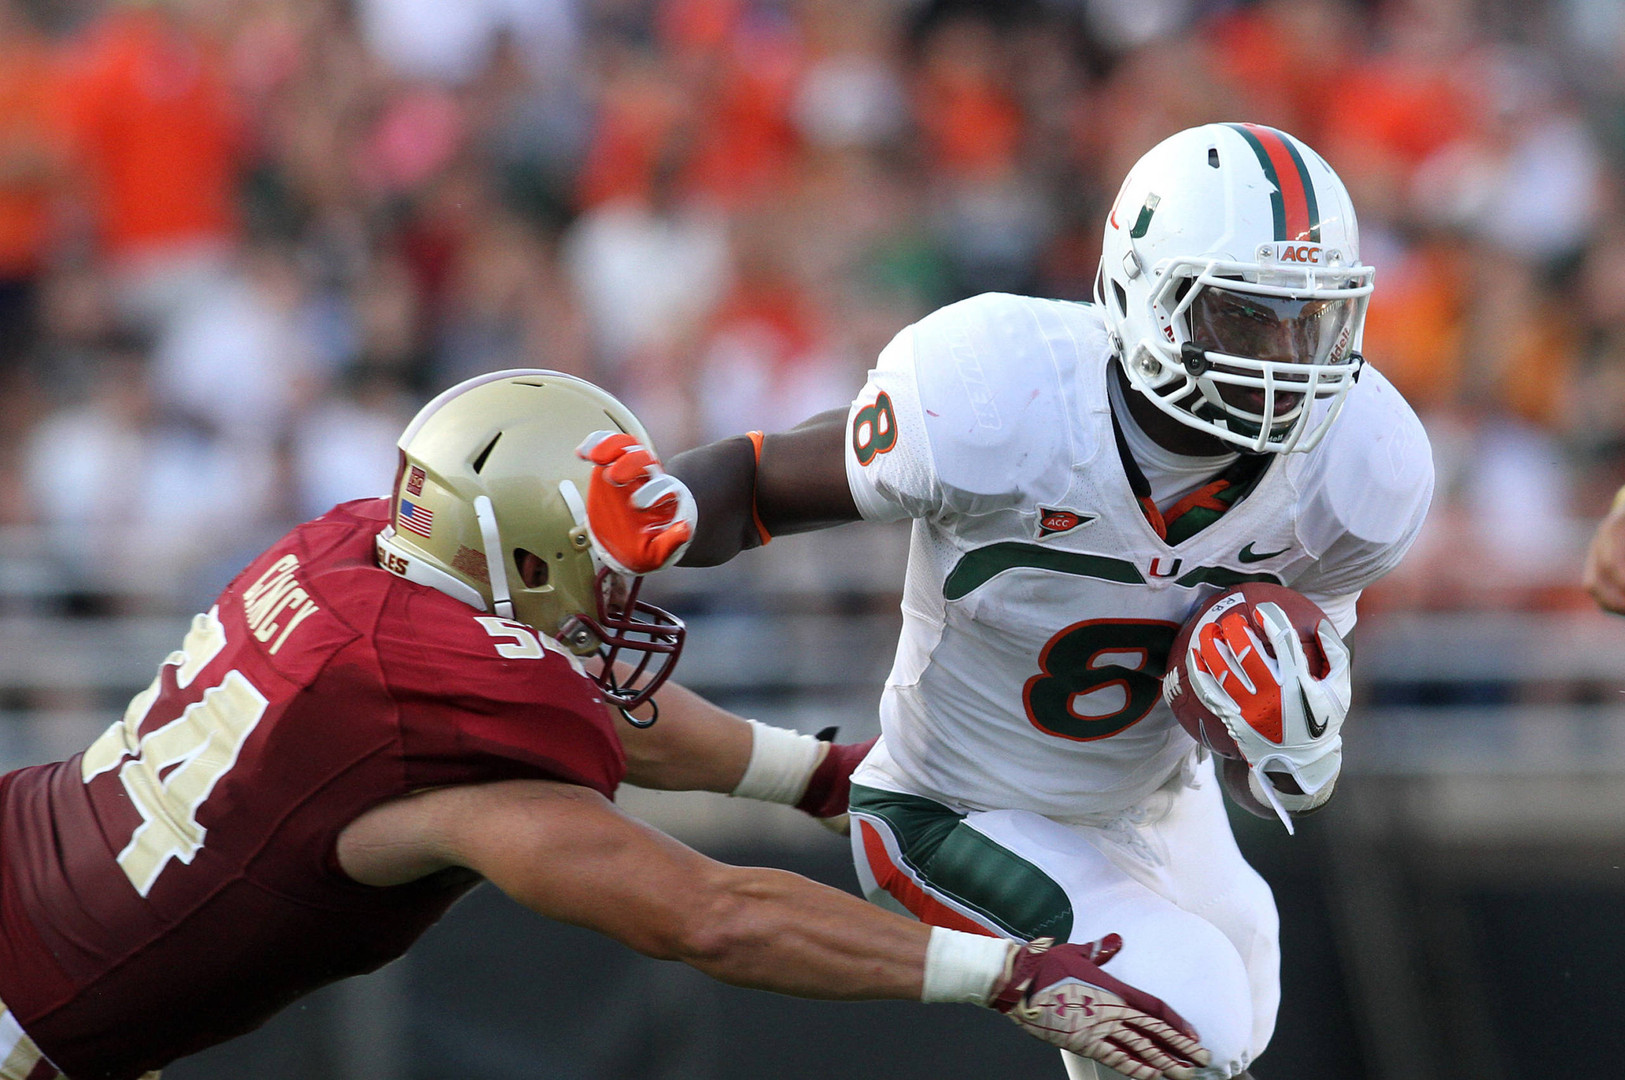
(640,516)
(1059,994)
(1085,1003)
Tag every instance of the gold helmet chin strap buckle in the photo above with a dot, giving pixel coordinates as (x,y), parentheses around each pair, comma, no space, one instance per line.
(495,563)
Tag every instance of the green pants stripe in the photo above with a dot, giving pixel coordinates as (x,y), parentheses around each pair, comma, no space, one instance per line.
(955,859)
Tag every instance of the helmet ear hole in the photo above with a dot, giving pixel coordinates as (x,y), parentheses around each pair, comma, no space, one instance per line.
(533,569)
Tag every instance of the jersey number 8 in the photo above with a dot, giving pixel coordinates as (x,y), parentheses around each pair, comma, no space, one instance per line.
(1117,659)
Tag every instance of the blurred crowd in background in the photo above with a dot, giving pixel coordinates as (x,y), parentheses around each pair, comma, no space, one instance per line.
(241,242)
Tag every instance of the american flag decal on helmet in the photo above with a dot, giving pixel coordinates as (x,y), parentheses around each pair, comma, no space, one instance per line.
(416,518)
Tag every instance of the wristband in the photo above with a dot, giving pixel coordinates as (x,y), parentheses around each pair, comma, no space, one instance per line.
(755,438)
(964,967)
(781,764)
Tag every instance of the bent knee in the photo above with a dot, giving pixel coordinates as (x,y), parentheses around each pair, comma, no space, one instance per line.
(1196,970)
(1221,1011)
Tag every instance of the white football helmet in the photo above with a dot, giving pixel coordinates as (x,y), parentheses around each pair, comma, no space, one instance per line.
(1231,283)
(488,476)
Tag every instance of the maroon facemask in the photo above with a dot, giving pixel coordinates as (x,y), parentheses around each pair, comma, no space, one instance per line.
(645,638)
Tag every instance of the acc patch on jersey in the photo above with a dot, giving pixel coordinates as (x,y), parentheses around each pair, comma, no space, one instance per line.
(1052,521)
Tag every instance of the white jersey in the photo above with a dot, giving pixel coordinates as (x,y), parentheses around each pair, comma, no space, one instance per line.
(1040,604)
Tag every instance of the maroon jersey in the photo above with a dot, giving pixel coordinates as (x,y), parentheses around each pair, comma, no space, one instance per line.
(176,883)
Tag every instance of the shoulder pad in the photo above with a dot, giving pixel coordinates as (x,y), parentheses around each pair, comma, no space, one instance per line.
(995,375)
(1375,469)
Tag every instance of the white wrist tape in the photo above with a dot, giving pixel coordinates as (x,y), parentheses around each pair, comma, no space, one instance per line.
(781,763)
(963,967)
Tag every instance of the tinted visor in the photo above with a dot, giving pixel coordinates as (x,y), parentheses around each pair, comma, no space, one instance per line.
(1273,329)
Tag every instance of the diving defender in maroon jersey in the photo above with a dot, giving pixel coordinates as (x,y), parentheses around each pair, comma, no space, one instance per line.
(411,694)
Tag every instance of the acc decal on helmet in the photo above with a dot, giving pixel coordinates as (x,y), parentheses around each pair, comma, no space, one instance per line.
(489,483)
(1231,283)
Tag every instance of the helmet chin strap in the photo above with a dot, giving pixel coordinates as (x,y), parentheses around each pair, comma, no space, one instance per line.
(496,565)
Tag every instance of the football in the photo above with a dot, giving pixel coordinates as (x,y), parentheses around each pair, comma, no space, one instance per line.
(1203,726)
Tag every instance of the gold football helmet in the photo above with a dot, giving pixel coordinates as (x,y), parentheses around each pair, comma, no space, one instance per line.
(488,508)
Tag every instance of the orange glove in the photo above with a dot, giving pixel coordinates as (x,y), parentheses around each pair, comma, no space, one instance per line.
(640,516)
(1241,669)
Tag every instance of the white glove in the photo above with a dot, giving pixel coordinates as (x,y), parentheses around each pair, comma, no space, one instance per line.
(1283,718)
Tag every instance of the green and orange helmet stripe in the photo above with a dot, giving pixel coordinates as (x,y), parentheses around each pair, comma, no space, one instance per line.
(1297,214)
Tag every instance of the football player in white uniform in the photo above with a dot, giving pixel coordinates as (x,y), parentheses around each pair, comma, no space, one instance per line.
(1080,476)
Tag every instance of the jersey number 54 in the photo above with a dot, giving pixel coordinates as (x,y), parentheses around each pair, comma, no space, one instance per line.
(170,771)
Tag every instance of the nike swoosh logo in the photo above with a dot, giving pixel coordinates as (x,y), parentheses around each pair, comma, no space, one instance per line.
(1248,555)
(1316,729)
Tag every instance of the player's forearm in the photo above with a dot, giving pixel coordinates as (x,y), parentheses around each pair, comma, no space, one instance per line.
(774,930)
(696,746)
(797,484)
(566,853)
(722,478)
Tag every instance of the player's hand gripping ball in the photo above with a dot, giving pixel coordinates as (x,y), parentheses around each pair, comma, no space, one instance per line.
(1259,675)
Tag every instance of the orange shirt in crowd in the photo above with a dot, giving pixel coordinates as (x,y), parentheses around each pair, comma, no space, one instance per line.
(28,155)
(152,128)
(1413,331)
(1408,109)
(970,127)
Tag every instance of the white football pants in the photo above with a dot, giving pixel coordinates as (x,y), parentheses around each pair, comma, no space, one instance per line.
(1199,926)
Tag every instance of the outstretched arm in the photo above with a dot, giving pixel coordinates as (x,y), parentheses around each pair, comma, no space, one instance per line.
(700,746)
(796,485)
(567,853)
(741,494)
